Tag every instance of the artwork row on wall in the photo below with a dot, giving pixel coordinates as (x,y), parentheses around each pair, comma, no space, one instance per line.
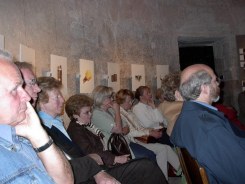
(58,70)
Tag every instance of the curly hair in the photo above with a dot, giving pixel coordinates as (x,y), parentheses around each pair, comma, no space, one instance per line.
(170,84)
(75,103)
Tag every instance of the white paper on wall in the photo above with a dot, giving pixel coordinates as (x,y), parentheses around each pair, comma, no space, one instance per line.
(86,76)
(113,76)
(162,70)
(241,57)
(241,50)
(58,68)
(138,76)
(27,54)
(1,42)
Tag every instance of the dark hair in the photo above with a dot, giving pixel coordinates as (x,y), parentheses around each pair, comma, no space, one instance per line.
(75,103)
(140,91)
(23,65)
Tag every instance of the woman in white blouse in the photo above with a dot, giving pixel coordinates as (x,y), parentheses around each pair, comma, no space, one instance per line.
(164,153)
(149,116)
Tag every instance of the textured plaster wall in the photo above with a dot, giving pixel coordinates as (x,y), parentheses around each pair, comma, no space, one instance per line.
(124,31)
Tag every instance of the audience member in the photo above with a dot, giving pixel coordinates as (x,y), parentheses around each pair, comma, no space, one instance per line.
(148,115)
(84,133)
(172,104)
(26,149)
(30,81)
(209,137)
(50,105)
(241,104)
(164,153)
(230,113)
(106,116)
(159,96)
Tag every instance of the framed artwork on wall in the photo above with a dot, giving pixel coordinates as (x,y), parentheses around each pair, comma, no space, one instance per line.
(86,75)
(161,70)
(27,54)
(58,68)
(138,76)
(114,76)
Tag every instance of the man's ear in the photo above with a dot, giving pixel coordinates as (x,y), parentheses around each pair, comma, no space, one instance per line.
(178,96)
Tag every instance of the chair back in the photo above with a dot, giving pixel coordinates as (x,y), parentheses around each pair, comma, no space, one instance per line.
(194,173)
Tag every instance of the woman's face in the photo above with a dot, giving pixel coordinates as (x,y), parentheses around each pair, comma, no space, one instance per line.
(55,104)
(85,115)
(127,103)
(147,96)
(107,102)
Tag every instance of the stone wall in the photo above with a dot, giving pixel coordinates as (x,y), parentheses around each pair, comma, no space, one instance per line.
(126,32)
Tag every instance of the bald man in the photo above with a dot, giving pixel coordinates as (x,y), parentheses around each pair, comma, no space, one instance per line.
(205,132)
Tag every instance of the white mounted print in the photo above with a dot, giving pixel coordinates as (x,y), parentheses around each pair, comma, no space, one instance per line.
(58,69)
(1,42)
(113,76)
(27,54)
(138,76)
(161,70)
(86,76)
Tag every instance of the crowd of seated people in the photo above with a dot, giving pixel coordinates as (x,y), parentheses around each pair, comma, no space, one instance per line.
(50,106)
(94,119)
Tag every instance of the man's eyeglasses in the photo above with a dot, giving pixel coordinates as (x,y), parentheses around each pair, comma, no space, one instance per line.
(31,82)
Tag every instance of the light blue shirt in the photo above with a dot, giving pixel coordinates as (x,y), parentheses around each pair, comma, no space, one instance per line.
(19,162)
(206,105)
(50,121)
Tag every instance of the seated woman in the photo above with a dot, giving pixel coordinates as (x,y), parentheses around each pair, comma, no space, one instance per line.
(106,116)
(89,138)
(173,102)
(148,115)
(164,153)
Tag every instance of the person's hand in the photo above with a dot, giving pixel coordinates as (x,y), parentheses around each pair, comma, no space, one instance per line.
(125,130)
(151,103)
(31,128)
(156,133)
(115,106)
(104,178)
(121,159)
(96,158)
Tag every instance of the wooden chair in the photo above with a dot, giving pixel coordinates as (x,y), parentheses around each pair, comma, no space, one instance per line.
(194,173)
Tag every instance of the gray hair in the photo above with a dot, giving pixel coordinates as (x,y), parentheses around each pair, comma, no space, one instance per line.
(5,55)
(100,93)
(191,89)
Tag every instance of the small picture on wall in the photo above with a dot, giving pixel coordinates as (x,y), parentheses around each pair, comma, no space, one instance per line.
(86,68)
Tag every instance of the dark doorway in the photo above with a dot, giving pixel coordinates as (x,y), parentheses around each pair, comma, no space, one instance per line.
(196,55)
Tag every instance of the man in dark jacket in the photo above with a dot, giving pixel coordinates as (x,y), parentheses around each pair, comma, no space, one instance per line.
(209,137)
